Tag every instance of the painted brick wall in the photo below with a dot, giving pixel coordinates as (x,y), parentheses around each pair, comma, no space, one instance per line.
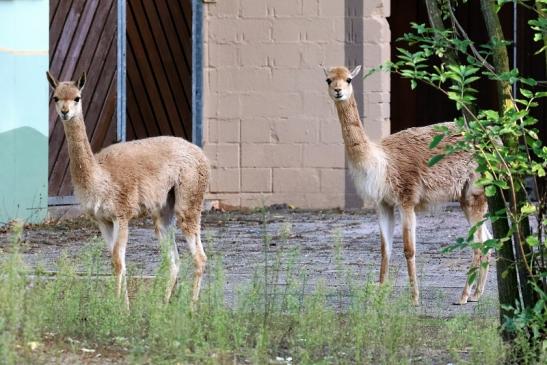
(270,129)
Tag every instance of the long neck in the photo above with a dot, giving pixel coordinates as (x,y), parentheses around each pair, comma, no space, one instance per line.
(83,166)
(356,141)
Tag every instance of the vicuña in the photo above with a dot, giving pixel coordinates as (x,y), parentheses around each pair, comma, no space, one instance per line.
(395,173)
(164,176)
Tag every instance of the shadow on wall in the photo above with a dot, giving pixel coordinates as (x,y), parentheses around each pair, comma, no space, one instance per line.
(353,37)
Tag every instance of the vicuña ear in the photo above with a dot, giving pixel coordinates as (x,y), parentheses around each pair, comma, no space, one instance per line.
(52,82)
(81,81)
(355,71)
(326,71)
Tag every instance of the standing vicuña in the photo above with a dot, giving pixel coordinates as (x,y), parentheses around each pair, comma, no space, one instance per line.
(165,176)
(394,173)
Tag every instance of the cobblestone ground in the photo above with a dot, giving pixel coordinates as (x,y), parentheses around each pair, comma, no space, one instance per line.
(238,238)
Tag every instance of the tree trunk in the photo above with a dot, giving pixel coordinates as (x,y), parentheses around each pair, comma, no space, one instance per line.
(501,65)
(436,21)
(542,181)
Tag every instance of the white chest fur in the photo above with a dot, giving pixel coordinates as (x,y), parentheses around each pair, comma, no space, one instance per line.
(369,178)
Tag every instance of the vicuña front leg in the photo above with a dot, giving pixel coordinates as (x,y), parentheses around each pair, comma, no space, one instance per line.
(483,270)
(118,260)
(474,206)
(409,242)
(387,222)
(480,263)
(469,284)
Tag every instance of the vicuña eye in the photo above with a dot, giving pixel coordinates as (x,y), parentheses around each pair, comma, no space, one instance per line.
(77,99)
(348,81)
(329,81)
(55,99)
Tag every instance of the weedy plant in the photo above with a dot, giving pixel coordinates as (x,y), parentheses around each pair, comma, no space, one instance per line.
(278,317)
(507,148)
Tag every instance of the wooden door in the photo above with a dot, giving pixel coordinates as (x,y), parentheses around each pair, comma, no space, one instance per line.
(82,38)
(159,68)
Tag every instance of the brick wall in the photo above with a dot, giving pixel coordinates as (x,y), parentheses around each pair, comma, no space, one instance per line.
(270,129)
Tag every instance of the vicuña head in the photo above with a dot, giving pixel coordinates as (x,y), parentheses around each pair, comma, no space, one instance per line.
(67,96)
(339,82)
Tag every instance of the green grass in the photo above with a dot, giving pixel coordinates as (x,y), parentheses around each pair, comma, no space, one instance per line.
(274,319)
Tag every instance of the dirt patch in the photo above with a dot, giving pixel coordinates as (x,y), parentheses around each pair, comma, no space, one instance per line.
(238,238)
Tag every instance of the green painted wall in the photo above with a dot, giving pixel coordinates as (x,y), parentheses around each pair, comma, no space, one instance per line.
(24,37)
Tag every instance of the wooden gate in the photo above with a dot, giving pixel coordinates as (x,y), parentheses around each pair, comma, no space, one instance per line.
(159,68)
(83,37)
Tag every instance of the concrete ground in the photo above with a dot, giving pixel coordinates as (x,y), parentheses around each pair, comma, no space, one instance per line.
(238,238)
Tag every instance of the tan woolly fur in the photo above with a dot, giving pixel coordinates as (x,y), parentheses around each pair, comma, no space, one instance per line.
(162,176)
(394,174)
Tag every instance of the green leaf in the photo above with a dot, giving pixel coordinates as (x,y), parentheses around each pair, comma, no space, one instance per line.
(532,240)
(533,134)
(528,209)
(501,184)
(538,170)
(472,275)
(440,128)
(491,114)
(490,190)
(433,160)
(526,93)
(413,84)
(436,140)
(528,81)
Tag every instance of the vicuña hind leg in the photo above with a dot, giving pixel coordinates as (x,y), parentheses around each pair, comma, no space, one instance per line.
(109,231)
(409,242)
(164,223)
(474,207)
(190,225)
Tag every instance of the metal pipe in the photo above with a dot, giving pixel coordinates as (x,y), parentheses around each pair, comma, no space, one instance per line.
(121,99)
(197,72)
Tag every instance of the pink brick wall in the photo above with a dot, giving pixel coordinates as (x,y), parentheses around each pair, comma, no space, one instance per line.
(270,130)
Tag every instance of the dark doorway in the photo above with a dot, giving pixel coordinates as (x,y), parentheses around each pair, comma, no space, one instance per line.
(159,68)
(424,105)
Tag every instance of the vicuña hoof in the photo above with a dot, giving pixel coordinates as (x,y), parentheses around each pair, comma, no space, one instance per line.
(474,298)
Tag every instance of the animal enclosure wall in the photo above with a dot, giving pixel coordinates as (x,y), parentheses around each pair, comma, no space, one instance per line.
(271,131)
(83,37)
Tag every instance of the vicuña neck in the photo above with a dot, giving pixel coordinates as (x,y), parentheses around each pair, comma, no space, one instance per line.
(83,166)
(356,141)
